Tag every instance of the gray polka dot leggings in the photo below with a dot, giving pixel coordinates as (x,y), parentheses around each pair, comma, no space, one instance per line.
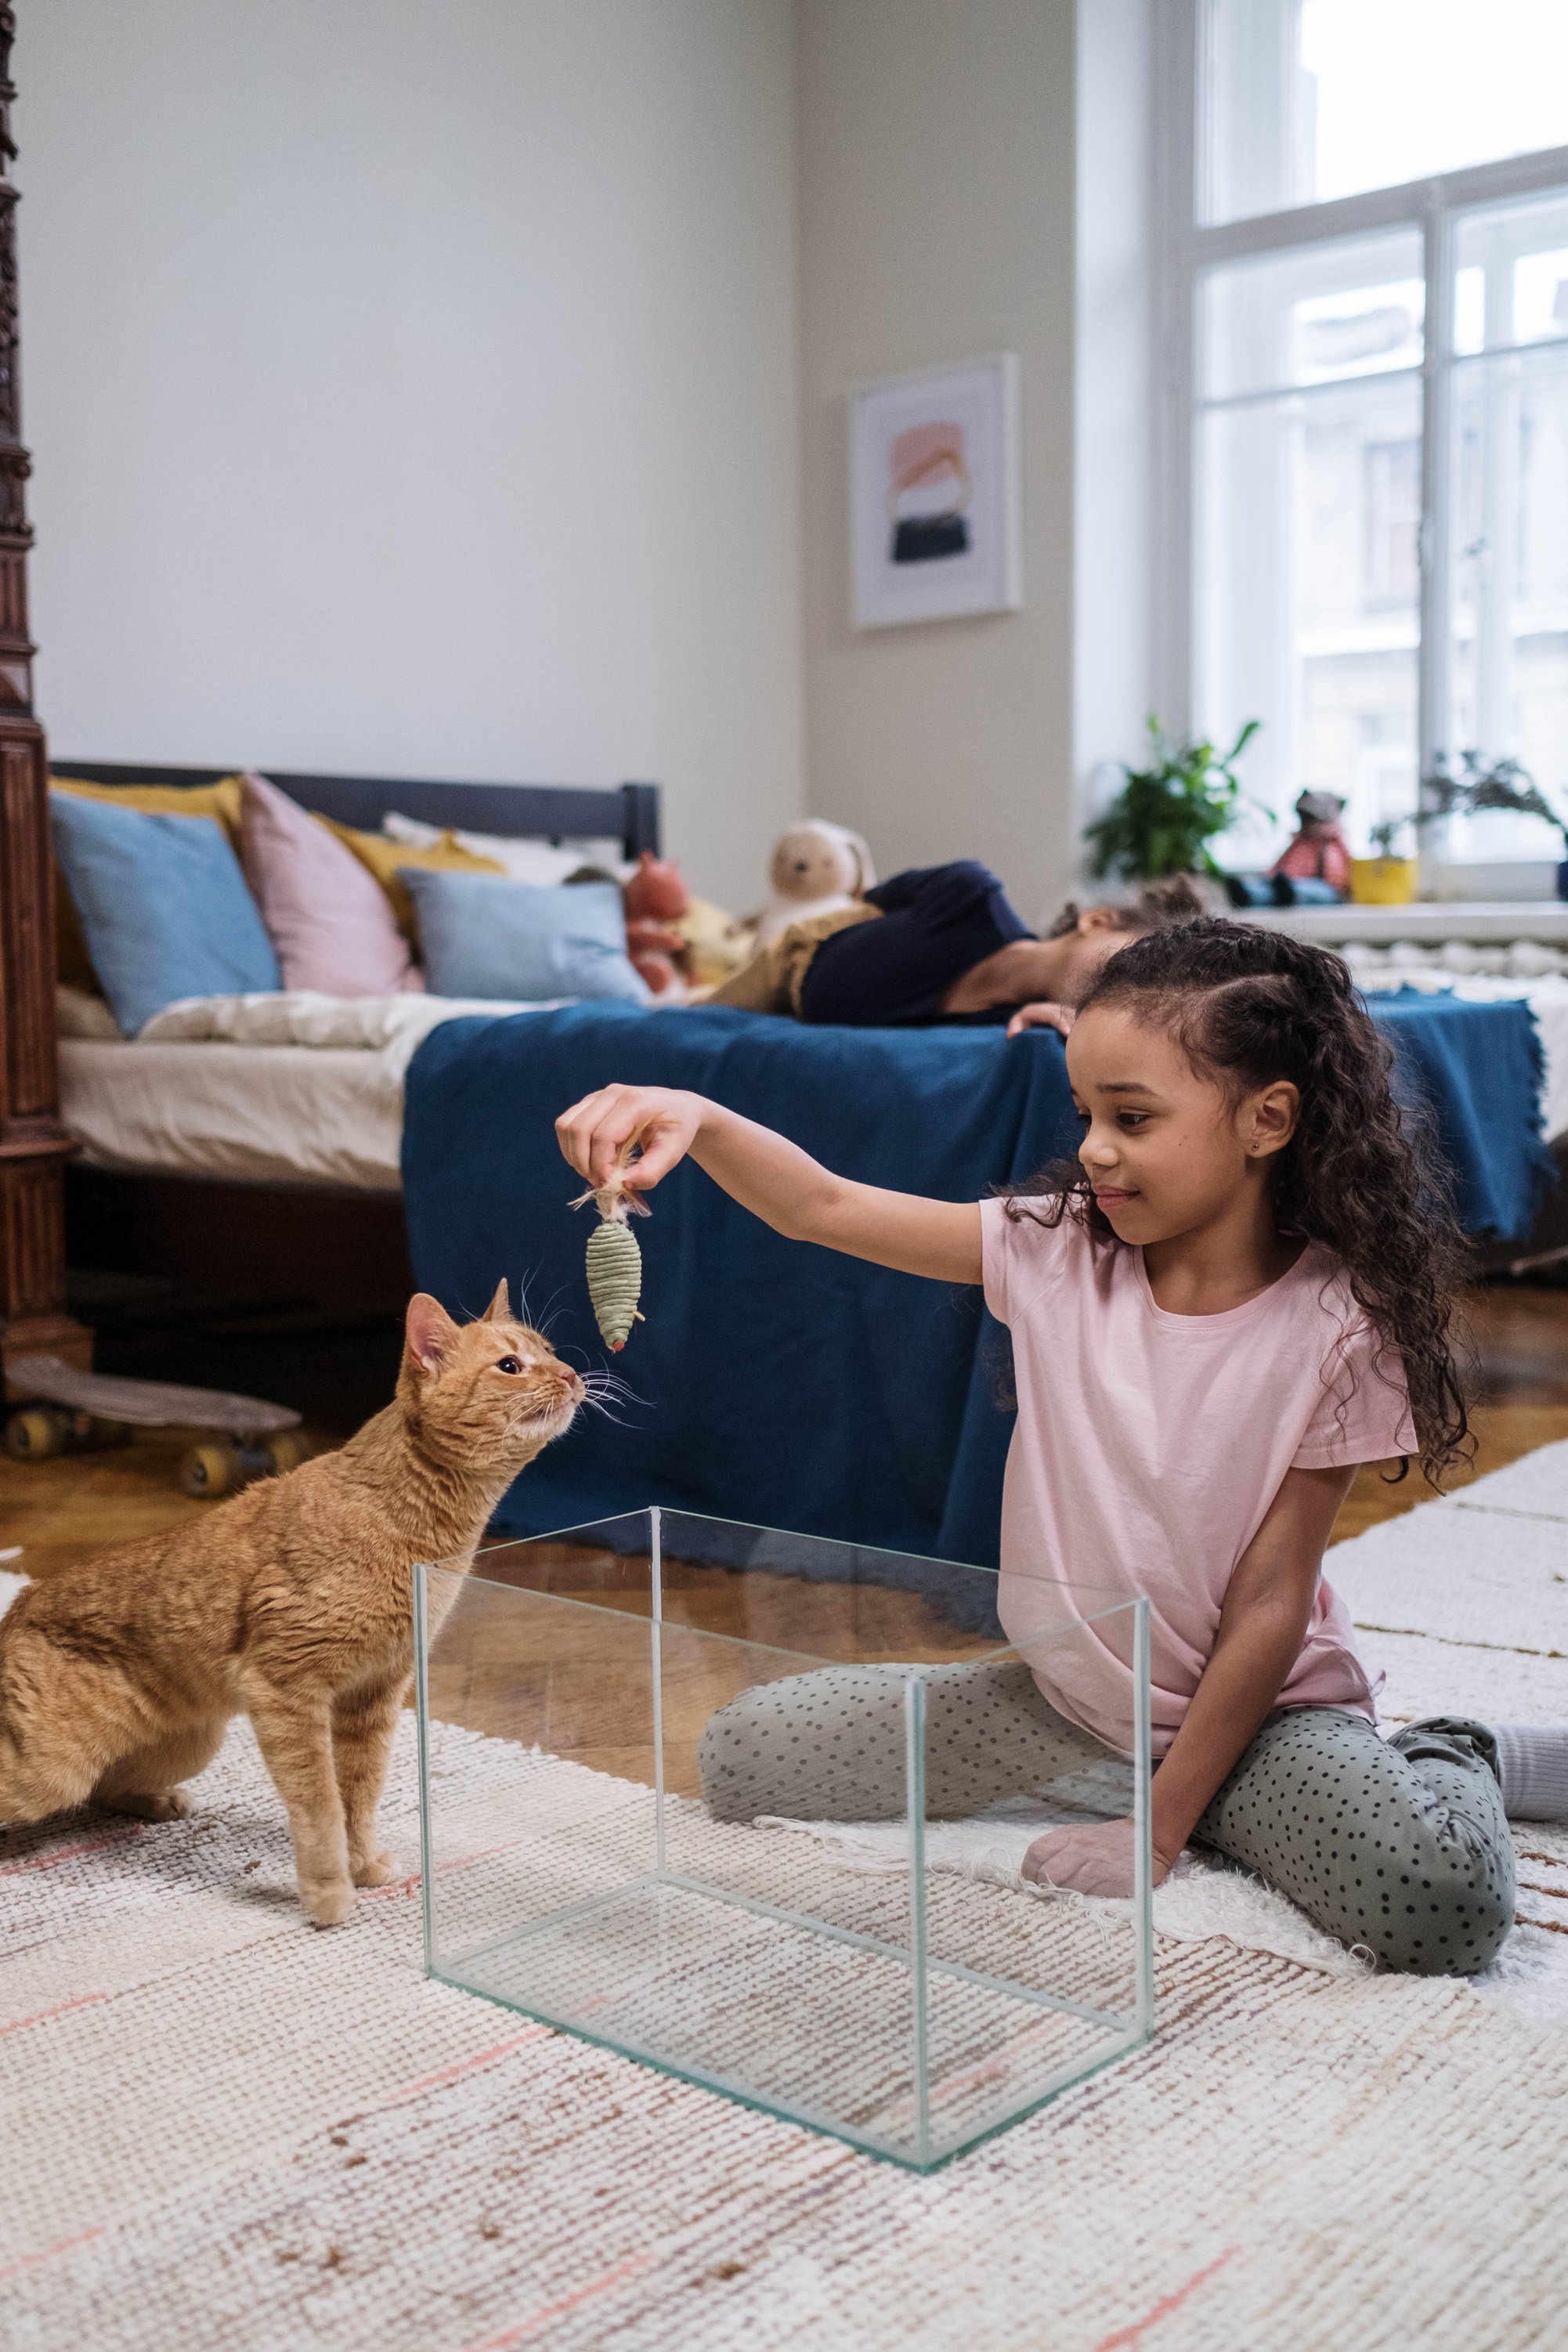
(1398,1845)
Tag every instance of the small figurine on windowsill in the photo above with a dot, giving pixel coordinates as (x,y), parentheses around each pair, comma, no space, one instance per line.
(1319,851)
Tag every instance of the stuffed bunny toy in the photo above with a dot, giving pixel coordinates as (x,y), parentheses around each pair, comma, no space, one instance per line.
(816,867)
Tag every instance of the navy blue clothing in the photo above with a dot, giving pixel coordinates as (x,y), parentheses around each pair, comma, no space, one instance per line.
(938,922)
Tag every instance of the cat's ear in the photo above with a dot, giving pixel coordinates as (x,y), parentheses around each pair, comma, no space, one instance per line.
(430,1331)
(500,1308)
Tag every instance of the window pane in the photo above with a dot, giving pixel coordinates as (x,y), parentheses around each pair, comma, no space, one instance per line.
(1315,315)
(1307,100)
(1511,276)
(1308,593)
(1509,648)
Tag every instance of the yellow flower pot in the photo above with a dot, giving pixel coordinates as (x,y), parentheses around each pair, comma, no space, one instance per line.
(1383,881)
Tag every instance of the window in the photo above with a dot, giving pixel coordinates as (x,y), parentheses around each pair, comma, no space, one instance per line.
(1368,332)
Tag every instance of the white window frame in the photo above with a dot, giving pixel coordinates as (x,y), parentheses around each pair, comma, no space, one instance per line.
(1190,250)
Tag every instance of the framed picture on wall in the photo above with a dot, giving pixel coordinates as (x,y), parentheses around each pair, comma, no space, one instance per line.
(935,525)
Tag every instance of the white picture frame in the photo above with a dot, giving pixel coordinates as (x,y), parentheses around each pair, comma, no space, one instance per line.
(935,523)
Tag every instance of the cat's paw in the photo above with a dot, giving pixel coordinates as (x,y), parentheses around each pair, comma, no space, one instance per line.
(328,1904)
(148,1804)
(374,1869)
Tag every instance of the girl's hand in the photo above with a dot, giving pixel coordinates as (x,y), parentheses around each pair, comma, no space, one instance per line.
(1041,1016)
(1096,1858)
(596,1132)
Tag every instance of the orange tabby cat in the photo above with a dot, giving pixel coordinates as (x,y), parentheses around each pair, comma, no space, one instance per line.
(292,1603)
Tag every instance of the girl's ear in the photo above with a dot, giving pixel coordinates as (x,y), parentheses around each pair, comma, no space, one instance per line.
(430,1331)
(1097,918)
(1270,1119)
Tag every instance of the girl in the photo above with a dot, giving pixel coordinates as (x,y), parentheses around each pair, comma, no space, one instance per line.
(1241,1290)
(943,944)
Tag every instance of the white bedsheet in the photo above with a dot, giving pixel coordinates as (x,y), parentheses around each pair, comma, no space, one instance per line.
(298,1086)
(282,1088)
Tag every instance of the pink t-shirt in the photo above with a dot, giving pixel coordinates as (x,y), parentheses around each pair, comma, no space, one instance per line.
(1147,1450)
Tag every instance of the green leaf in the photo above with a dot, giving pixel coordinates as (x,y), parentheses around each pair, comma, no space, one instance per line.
(1164,814)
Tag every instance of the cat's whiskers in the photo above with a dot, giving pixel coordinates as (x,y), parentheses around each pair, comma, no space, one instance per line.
(601,1390)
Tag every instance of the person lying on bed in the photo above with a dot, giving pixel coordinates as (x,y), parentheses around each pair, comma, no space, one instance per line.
(941,944)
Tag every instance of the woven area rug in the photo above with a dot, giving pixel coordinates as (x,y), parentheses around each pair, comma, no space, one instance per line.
(224,2128)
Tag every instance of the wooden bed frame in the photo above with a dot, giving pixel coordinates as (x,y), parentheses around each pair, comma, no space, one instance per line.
(334,1254)
(625,813)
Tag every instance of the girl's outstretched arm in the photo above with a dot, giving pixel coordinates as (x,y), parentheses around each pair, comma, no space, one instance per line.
(772,1178)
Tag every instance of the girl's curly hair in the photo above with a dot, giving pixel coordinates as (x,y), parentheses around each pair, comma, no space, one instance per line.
(1250,1006)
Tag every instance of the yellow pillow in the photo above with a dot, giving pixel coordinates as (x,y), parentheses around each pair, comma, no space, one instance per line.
(220,800)
(384,857)
(73,966)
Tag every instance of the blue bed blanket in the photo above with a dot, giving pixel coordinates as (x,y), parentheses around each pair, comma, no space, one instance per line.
(780,1383)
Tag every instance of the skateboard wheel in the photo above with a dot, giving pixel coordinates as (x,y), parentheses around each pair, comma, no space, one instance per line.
(35,1432)
(286,1452)
(207,1471)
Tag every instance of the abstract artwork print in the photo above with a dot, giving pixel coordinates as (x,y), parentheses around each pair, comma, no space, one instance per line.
(933,464)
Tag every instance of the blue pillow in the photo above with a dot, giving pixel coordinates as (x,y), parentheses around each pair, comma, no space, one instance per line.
(163,906)
(485,935)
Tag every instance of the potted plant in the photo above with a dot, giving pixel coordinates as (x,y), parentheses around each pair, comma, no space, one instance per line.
(1506,784)
(1386,879)
(1165,815)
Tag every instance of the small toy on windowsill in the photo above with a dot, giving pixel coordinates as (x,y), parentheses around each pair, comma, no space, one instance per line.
(1319,851)
(1315,869)
(614,1261)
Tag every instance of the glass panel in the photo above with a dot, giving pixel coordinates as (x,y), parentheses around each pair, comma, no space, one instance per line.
(1308,99)
(1307,598)
(751,1860)
(1508,657)
(1316,314)
(1511,276)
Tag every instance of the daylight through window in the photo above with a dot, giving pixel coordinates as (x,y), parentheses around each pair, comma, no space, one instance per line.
(1370,445)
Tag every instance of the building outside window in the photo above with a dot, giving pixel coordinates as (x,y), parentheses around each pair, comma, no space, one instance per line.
(1367,421)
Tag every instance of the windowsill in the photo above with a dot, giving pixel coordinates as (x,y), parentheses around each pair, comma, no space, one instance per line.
(1481,921)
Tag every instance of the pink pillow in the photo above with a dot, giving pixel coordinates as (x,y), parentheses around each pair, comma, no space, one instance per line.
(329,917)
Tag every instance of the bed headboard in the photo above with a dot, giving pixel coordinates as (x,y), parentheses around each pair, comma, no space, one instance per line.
(544,812)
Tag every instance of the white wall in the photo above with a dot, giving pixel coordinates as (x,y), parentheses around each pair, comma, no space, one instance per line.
(412,390)
(937,223)
(1115,502)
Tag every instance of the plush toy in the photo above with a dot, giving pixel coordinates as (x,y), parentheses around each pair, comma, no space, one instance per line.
(656,897)
(652,950)
(816,867)
(678,942)
(655,892)
(1319,851)
(717,943)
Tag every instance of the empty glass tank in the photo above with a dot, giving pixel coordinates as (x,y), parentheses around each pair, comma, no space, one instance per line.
(704,1793)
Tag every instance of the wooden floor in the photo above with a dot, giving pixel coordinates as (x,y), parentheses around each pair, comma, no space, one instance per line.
(58,1510)
(1518,1334)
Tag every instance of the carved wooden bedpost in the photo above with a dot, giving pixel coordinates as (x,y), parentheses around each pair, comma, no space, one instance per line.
(34,1146)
